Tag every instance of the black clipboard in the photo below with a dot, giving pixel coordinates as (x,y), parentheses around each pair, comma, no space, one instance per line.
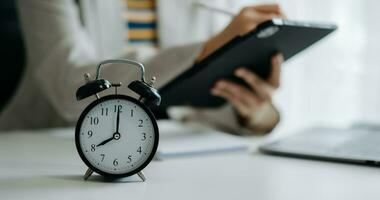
(252,50)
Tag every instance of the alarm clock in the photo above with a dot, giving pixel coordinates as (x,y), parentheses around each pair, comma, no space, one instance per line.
(117,135)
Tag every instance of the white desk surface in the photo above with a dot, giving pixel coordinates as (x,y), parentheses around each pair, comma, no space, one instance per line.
(45,165)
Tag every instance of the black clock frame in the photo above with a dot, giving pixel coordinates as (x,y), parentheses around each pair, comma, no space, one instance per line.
(88,109)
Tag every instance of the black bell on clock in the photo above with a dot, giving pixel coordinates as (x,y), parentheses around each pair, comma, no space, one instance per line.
(147,93)
(91,88)
(150,95)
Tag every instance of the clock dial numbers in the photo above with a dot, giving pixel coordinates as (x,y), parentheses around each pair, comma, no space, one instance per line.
(89,133)
(115,163)
(117,108)
(93,147)
(117,148)
(139,150)
(94,120)
(104,111)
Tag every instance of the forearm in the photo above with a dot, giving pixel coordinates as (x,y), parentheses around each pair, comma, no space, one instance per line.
(226,119)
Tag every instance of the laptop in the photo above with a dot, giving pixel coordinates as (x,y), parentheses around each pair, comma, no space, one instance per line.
(359,144)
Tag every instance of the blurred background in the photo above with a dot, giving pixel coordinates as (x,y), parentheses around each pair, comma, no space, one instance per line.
(336,82)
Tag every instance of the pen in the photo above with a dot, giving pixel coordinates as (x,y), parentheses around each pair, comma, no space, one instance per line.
(215,9)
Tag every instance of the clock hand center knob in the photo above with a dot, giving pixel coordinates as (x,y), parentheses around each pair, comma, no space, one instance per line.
(116,136)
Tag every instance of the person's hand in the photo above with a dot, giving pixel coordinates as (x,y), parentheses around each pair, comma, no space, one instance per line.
(247,101)
(244,22)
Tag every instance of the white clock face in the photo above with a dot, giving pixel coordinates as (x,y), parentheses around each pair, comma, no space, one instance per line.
(117,146)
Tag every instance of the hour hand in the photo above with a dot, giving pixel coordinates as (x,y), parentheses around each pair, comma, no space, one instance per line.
(105,141)
(115,136)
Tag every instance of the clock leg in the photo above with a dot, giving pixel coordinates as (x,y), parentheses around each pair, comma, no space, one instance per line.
(88,174)
(141,175)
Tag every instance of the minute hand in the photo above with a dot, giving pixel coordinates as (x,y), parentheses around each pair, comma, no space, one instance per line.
(117,120)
